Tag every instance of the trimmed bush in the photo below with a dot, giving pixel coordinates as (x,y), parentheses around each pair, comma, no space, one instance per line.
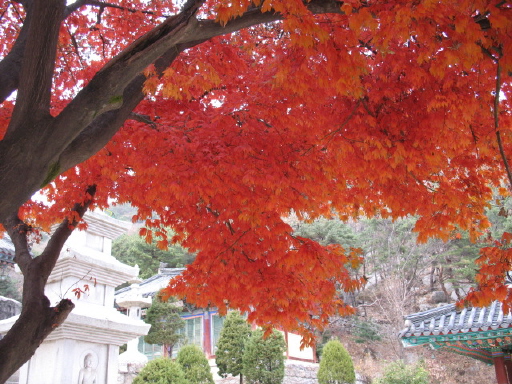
(336,365)
(161,371)
(194,364)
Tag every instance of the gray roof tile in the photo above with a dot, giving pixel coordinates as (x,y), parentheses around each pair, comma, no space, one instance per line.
(448,319)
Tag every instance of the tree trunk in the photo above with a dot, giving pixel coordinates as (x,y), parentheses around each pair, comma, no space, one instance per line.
(37,318)
(36,321)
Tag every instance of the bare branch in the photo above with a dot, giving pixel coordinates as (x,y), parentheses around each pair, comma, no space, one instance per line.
(102,5)
(142,119)
(10,65)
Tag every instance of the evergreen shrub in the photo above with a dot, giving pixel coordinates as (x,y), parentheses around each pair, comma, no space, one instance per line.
(194,364)
(336,366)
(161,371)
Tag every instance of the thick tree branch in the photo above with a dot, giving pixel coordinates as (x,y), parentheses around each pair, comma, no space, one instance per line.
(207,29)
(106,90)
(92,118)
(101,130)
(18,231)
(10,65)
(497,124)
(35,86)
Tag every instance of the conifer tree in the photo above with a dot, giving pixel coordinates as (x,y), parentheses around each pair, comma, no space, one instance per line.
(263,359)
(195,365)
(336,365)
(166,322)
(230,347)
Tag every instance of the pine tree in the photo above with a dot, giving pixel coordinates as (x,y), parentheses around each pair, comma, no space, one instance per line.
(166,322)
(263,359)
(336,365)
(195,365)
(161,371)
(230,347)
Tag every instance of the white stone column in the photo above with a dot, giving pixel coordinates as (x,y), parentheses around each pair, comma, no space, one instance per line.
(132,360)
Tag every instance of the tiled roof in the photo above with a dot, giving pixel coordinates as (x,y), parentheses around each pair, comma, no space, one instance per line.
(151,286)
(448,319)
(6,250)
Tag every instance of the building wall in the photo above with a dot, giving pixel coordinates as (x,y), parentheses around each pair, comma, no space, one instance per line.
(202,328)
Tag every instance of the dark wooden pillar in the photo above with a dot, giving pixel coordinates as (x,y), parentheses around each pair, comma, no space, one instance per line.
(508,366)
(499,367)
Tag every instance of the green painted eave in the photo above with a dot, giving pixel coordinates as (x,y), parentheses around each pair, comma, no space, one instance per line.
(488,340)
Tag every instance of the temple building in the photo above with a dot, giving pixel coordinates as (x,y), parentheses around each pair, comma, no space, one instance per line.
(202,326)
(483,333)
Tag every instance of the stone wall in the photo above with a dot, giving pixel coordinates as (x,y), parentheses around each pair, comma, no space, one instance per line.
(295,373)
(300,373)
(305,373)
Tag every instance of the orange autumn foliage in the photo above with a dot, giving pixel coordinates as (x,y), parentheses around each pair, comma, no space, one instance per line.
(380,108)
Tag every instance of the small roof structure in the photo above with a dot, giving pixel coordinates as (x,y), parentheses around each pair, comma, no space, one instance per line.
(6,250)
(152,285)
(482,333)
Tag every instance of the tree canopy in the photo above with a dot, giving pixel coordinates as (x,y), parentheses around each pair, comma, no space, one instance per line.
(218,118)
(133,250)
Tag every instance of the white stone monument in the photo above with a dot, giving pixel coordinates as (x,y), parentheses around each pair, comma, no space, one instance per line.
(132,361)
(85,348)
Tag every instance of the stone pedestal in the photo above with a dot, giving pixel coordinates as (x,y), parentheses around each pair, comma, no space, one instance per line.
(85,348)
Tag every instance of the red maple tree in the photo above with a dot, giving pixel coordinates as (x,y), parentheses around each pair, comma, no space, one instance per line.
(220,118)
